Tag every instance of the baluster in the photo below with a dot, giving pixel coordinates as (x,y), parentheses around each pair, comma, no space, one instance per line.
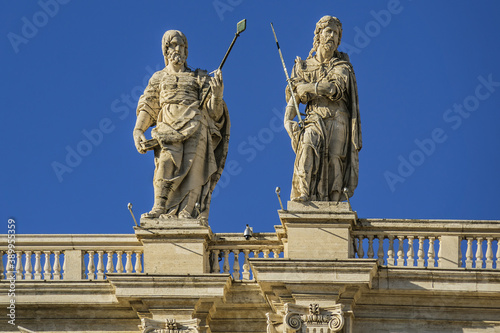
(276,253)
(440,252)
(420,252)
(489,253)
(430,253)
(401,253)
(266,253)
(19,265)
(128,264)
(360,251)
(38,266)
(100,265)
(91,266)
(236,265)
(459,251)
(28,269)
(370,253)
(479,253)
(9,268)
(497,256)
(225,267)
(83,265)
(410,260)
(57,266)
(468,253)
(215,261)
(246,266)
(256,253)
(138,262)
(119,263)
(390,252)
(2,276)
(110,267)
(47,268)
(64,265)
(380,251)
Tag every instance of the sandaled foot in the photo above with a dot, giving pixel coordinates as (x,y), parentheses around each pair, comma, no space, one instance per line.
(185,215)
(302,198)
(154,213)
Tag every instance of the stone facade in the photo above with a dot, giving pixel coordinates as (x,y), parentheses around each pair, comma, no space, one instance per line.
(321,271)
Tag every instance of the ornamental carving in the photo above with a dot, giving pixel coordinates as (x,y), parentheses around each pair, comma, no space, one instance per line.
(169,326)
(301,319)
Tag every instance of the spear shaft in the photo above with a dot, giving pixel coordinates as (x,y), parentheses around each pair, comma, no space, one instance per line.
(289,82)
(240,27)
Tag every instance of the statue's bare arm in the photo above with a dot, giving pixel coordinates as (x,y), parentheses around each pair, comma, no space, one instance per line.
(290,125)
(143,122)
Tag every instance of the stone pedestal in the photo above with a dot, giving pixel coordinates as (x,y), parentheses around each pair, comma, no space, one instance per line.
(175,246)
(319,230)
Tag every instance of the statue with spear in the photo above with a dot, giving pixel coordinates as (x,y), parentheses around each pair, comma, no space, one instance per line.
(327,141)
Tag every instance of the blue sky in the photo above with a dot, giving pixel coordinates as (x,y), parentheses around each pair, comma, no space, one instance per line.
(429,89)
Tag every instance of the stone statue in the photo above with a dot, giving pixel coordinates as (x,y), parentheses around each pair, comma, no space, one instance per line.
(328,143)
(190,140)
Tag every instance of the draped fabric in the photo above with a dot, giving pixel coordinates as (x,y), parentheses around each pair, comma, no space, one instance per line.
(328,145)
(193,143)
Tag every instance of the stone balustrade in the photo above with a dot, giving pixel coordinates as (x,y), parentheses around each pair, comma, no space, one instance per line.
(229,253)
(429,243)
(408,243)
(71,257)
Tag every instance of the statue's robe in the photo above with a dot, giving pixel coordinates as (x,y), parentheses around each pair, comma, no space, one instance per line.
(328,145)
(193,143)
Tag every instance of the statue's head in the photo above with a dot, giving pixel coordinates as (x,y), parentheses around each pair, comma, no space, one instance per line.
(327,34)
(175,47)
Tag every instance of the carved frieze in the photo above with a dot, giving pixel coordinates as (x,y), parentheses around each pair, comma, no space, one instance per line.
(301,319)
(169,326)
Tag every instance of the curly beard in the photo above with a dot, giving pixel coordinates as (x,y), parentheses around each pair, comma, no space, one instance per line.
(176,58)
(328,43)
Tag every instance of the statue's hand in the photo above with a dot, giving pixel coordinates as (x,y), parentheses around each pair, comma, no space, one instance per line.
(291,127)
(138,138)
(304,89)
(217,84)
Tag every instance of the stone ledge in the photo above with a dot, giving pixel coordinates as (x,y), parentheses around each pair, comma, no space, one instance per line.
(317,213)
(57,242)
(349,271)
(457,280)
(171,223)
(57,292)
(178,228)
(315,206)
(475,227)
(170,286)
